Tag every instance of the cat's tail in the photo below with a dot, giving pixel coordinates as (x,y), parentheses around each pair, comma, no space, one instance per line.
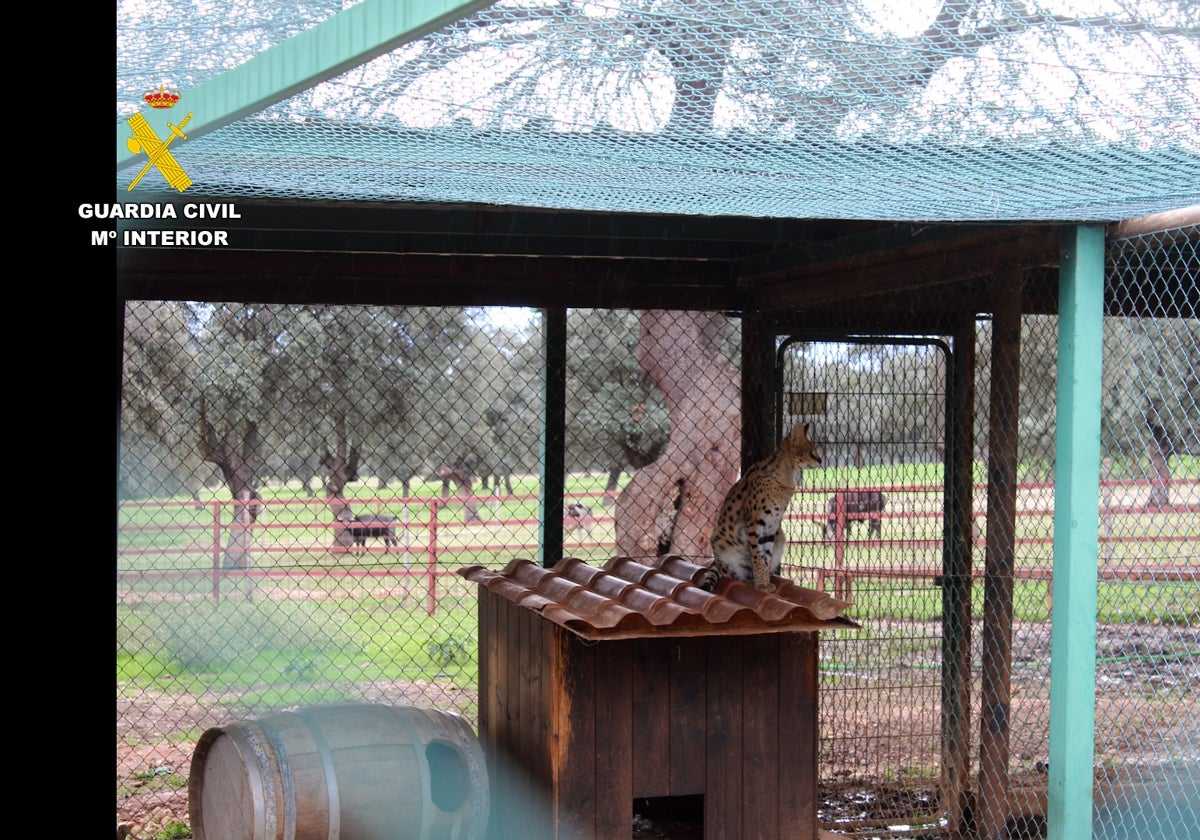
(708,580)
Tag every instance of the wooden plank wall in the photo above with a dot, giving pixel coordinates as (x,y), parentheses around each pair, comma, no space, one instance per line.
(615,744)
(798,735)
(576,731)
(515,723)
(761,737)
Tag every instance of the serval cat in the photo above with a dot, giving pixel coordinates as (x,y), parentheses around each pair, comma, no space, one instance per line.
(747,542)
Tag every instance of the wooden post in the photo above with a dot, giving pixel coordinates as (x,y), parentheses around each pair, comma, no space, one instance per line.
(554,392)
(995,686)
(840,590)
(956,576)
(431,598)
(759,437)
(216,558)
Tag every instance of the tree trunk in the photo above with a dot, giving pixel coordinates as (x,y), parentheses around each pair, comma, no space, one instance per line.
(614,475)
(239,547)
(610,487)
(341,467)
(635,454)
(464,482)
(690,58)
(1160,467)
(237,458)
(670,505)
(305,475)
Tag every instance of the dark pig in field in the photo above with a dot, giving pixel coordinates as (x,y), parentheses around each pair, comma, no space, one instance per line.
(860,506)
(372,525)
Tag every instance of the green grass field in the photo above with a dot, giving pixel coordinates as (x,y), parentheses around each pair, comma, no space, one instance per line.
(313,623)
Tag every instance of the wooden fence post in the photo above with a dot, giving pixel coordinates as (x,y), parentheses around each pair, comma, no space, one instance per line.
(216,553)
(431,600)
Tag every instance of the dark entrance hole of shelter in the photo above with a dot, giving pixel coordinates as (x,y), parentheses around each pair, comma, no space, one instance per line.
(673,817)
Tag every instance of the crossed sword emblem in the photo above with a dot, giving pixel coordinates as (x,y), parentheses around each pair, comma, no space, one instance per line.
(144,139)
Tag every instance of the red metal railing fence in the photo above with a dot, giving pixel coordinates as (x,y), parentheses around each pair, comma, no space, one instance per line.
(436,543)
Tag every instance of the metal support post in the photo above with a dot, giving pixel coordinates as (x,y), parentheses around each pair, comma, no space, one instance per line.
(1076,533)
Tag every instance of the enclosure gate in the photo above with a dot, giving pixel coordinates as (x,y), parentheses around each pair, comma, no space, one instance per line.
(871,526)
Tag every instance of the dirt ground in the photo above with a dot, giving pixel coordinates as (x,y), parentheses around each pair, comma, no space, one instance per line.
(1148,685)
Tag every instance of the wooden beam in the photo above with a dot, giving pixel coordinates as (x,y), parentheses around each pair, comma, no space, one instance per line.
(1155,223)
(423,280)
(554,434)
(481,228)
(758,388)
(885,239)
(955,580)
(349,38)
(974,257)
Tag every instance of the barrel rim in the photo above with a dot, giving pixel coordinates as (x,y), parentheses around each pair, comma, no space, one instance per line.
(237,734)
(251,739)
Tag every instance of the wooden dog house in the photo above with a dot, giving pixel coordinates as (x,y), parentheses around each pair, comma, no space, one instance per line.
(602,687)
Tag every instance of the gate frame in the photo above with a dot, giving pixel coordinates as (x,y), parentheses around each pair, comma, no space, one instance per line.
(955,580)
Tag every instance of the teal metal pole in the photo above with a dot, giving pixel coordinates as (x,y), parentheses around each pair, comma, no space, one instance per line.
(1076,533)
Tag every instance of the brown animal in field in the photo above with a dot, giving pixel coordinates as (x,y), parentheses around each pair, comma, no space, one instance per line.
(578,516)
(860,506)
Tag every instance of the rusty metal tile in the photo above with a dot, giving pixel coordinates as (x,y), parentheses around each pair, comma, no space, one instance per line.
(631,599)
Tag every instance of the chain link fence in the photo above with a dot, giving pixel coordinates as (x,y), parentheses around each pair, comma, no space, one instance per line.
(1147,750)
(868,527)
(299,485)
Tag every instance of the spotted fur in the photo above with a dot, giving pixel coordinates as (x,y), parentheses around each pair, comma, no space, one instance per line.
(747,541)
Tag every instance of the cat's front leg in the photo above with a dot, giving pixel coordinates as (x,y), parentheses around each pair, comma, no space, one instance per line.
(761,557)
(777,551)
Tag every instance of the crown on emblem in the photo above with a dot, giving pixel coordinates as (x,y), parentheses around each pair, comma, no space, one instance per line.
(164,97)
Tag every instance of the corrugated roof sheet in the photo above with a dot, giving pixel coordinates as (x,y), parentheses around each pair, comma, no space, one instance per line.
(628,599)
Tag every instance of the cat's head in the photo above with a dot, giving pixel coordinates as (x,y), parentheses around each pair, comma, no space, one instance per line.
(800,448)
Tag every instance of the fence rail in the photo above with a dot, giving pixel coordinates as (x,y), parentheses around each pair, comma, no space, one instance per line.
(435,536)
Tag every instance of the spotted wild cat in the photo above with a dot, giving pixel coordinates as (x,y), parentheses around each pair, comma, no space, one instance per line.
(747,542)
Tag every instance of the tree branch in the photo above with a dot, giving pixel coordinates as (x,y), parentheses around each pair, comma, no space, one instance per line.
(951,35)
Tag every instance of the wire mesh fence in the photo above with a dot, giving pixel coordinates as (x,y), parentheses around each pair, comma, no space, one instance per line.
(299,485)
(874,537)
(699,108)
(1148,653)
